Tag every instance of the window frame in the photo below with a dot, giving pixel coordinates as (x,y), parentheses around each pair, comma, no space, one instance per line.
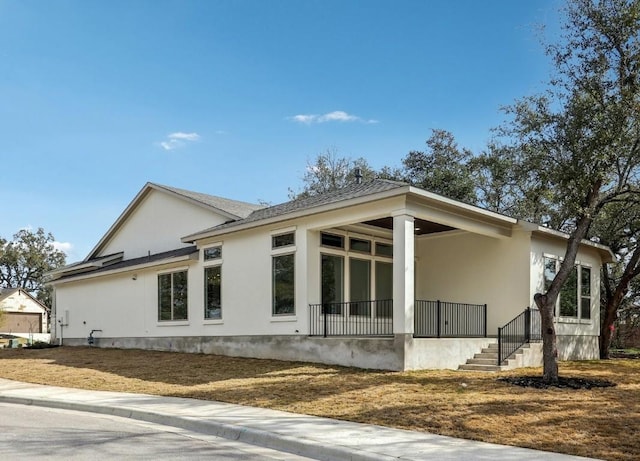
(347,255)
(274,257)
(206,293)
(172,273)
(579,266)
(276,252)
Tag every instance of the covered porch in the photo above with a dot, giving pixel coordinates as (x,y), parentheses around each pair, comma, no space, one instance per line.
(419,274)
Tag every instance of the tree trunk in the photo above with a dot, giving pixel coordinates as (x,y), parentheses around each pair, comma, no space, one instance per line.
(614,299)
(549,340)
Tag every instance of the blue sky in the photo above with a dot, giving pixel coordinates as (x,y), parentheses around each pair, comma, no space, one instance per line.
(232,98)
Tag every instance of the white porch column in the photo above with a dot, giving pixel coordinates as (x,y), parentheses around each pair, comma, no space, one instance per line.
(403,277)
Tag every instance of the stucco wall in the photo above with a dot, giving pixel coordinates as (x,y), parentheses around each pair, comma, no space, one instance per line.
(375,353)
(542,247)
(471,268)
(157,225)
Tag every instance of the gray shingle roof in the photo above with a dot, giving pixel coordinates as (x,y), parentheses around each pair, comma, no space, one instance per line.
(6,292)
(234,207)
(346,193)
(138,261)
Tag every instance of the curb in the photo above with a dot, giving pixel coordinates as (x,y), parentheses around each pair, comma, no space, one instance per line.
(303,447)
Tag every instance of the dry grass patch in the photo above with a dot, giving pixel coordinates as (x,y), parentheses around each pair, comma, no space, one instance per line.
(597,422)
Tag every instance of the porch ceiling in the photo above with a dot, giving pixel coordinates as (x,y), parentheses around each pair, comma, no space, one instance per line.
(422,227)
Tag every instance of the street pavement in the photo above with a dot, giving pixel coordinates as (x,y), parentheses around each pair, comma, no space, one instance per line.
(309,436)
(36,433)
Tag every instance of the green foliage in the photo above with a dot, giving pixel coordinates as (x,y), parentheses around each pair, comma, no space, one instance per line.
(25,260)
(329,172)
(443,168)
(579,143)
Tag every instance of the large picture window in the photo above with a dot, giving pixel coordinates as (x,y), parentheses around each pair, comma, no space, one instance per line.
(172,296)
(360,286)
(332,280)
(283,284)
(356,281)
(384,289)
(574,300)
(213,292)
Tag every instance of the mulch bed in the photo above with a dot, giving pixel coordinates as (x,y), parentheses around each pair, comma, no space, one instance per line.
(563,383)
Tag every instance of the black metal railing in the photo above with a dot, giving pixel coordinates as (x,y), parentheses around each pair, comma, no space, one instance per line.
(355,318)
(525,328)
(440,319)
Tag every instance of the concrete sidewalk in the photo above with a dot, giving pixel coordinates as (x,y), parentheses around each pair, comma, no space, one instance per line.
(314,437)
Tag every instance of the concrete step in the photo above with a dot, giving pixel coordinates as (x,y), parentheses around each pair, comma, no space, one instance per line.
(488,361)
(478,367)
(486,355)
(493,346)
(488,350)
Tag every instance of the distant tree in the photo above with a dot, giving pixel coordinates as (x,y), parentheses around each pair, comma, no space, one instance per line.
(25,260)
(329,172)
(580,142)
(443,168)
(618,226)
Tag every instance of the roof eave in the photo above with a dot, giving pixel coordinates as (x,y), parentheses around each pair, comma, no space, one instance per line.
(90,275)
(402,190)
(146,189)
(461,205)
(607,255)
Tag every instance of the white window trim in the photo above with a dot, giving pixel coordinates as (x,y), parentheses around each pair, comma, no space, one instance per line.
(219,321)
(284,318)
(210,245)
(284,231)
(283,251)
(347,254)
(172,323)
(564,319)
(206,265)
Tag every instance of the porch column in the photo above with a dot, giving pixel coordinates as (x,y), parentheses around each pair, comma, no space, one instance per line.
(403,277)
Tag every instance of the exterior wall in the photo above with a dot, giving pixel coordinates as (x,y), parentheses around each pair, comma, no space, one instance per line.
(458,266)
(443,353)
(374,353)
(577,338)
(166,218)
(21,303)
(471,268)
(126,308)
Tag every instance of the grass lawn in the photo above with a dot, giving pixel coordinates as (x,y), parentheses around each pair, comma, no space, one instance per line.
(601,422)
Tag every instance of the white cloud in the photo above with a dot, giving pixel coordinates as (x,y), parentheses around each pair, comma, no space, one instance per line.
(178,139)
(335,116)
(62,246)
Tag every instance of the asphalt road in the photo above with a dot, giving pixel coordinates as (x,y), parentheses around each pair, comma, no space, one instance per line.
(34,433)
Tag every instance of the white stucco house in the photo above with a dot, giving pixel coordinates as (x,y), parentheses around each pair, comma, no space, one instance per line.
(23,315)
(376,275)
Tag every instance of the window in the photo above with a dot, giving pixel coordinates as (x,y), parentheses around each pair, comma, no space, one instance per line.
(213,292)
(360,245)
(569,295)
(574,300)
(332,240)
(212,253)
(283,284)
(172,296)
(354,281)
(360,286)
(384,289)
(384,249)
(585,292)
(332,280)
(283,240)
